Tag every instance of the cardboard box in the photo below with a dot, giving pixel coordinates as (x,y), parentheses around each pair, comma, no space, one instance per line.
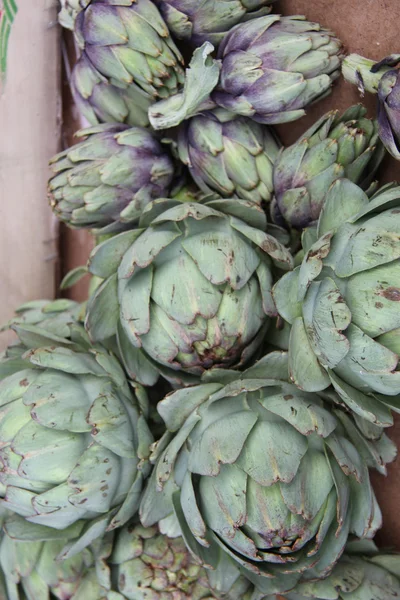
(30,133)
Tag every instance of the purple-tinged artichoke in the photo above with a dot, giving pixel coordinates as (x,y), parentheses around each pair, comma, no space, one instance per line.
(381,79)
(233,156)
(334,147)
(273,67)
(107,179)
(128,60)
(200,21)
(269,69)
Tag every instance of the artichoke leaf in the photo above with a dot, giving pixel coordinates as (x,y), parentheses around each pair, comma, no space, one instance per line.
(304,368)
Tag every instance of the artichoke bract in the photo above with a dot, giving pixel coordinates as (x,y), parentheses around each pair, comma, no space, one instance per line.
(363,573)
(381,79)
(106,180)
(191,290)
(74,438)
(228,155)
(277,477)
(208,20)
(343,302)
(128,60)
(274,67)
(333,148)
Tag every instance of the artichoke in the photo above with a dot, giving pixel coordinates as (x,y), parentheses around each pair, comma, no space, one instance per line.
(230,156)
(275,476)
(380,78)
(74,439)
(128,60)
(108,179)
(148,565)
(190,290)
(334,147)
(31,569)
(208,20)
(273,67)
(363,573)
(343,302)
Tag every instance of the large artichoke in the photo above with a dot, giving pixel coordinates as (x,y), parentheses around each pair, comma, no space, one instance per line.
(273,67)
(334,147)
(191,289)
(208,20)
(380,78)
(277,477)
(74,441)
(228,155)
(343,302)
(128,60)
(109,177)
(363,573)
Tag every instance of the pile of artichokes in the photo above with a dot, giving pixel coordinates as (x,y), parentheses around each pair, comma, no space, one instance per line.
(204,425)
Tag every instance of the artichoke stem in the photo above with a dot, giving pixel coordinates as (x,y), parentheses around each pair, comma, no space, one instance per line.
(357,70)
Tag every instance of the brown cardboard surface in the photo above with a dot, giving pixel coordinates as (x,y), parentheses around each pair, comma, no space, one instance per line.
(368,27)
(29,126)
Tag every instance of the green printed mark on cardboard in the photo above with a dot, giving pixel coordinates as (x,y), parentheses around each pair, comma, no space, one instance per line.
(8,10)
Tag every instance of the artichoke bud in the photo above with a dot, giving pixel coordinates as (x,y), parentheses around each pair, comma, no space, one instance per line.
(106,180)
(75,443)
(208,21)
(191,289)
(275,475)
(333,148)
(232,156)
(342,302)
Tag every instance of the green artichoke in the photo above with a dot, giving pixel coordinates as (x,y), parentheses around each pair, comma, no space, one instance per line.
(277,477)
(128,60)
(228,155)
(363,573)
(74,439)
(31,569)
(107,179)
(208,20)
(343,302)
(334,147)
(148,565)
(68,13)
(190,290)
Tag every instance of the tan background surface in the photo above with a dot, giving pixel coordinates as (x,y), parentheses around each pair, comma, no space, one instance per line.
(29,133)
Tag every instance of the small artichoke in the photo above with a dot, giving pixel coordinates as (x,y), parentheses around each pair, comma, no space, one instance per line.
(54,316)
(191,289)
(277,477)
(74,439)
(148,565)
(334,147)
(228,155)
(128,60)
(208,20)
(107,179)
(363,573)
(381,79)
(343,302)
(273,67)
